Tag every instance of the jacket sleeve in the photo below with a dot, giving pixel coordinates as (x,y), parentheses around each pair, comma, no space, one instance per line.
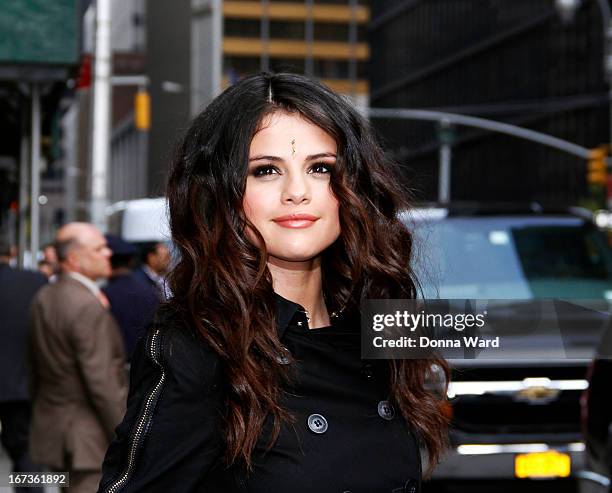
(99,352)
(170,436)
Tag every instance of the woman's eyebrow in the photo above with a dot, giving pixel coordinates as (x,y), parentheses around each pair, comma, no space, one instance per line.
(267,158)
(308,158)
(320,155)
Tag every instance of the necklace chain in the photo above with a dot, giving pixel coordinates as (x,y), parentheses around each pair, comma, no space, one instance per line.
(305,312)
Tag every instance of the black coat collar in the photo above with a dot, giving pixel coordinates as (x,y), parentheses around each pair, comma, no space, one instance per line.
(285,311)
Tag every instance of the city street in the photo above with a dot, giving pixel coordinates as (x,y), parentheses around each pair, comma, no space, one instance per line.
(425,183)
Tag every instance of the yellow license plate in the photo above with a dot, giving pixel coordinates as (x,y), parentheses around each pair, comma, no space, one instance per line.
(549,464)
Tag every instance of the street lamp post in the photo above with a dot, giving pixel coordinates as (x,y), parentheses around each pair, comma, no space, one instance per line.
(606,15)
(101,114)
(606,18)
(567,10)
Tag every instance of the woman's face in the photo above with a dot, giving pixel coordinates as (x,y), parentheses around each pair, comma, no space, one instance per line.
(288,194)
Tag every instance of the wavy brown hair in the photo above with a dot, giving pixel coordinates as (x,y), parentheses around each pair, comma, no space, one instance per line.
(222,283)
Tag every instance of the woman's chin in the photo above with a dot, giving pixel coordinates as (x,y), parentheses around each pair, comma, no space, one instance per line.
(297,255)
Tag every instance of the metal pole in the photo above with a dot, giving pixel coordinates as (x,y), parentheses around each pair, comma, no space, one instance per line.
(101,114)
(444,176)
(352,35)
(606,17)
(607,186)
(71,169)
(35,177)
(217,48)
(265,35)
(23,193)
(483,123)
(142,160)
(309,39)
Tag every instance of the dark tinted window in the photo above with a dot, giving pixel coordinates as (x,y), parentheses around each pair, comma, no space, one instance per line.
(563,253)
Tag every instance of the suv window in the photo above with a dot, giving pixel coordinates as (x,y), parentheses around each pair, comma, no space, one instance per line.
(512,257)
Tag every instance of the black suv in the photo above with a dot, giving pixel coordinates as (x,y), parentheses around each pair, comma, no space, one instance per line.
(513,421)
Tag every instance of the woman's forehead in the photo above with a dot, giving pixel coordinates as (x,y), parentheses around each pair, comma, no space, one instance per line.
(280,129)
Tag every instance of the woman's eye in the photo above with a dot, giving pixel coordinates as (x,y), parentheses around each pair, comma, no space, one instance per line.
(321,168)
(265,170)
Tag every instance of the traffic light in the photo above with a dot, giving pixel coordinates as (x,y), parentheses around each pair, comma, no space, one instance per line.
(597,170)
(142,110)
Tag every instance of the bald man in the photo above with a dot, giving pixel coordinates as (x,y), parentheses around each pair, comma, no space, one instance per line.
(76,362)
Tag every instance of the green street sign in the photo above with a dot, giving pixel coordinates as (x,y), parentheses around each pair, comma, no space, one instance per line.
(35,32)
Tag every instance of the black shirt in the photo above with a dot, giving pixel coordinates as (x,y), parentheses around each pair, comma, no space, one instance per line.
(347,436)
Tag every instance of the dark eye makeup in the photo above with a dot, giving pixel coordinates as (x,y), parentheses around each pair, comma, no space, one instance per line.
(270,169)
(263,170)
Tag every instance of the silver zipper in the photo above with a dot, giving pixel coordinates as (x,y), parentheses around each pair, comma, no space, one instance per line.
(140,427)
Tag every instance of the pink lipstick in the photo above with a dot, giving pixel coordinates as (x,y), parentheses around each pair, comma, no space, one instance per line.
(296,221)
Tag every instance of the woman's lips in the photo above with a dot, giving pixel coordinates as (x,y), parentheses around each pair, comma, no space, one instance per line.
(296,221)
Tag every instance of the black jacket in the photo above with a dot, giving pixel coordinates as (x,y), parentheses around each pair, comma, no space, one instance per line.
(17,289)
(346,438)
(133,302)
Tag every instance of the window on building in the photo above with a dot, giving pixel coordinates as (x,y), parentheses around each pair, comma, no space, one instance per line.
(338,69)
(292,65)
(324,31)
(362,70)
(331,32)
(331,69)
(243,28)
(287,30)
(362,33)
(237,67)
(364,3)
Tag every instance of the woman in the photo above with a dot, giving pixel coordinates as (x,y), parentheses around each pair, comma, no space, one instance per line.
(283,208)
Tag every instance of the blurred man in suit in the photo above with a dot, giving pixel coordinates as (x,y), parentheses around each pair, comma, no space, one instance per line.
(77,362)
(17,289)
(154,267)
(49,265)
(133,300)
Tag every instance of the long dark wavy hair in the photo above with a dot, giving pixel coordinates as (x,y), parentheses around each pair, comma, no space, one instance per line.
(222,283)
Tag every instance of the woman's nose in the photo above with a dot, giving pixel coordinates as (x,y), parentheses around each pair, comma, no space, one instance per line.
(295,189)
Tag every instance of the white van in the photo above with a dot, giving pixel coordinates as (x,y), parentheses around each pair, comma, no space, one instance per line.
(140,221)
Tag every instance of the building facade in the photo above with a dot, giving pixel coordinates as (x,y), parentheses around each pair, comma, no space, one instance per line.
(197,48)
(326,40)
(515,61)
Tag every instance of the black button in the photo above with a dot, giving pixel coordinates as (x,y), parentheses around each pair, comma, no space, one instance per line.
(282,358)
(367,371)
(317,423)
(385,410)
